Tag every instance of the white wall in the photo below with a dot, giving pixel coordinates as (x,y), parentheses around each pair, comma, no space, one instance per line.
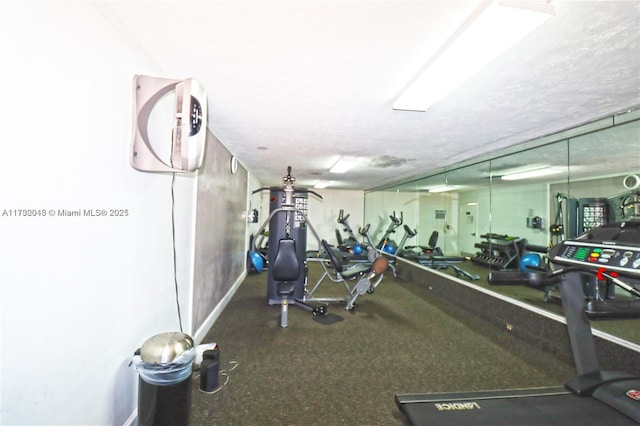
(380,205)
(473,219)
(79,294)
(447,228)
(503,209)
(323,214)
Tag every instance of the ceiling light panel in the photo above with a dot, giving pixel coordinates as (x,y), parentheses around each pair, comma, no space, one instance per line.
(528,174)
(443,188)
(343,165)
(495,27)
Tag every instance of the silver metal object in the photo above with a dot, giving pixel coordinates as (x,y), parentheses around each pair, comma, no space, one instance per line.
(165,347)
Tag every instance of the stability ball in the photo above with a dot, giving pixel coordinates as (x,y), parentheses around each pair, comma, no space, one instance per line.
(389,248)
(530,260)
(256,261)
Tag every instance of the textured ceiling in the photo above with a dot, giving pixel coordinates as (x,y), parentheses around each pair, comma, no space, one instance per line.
(302,83)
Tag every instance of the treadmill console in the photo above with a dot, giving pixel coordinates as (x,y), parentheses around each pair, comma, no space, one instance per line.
(614,247)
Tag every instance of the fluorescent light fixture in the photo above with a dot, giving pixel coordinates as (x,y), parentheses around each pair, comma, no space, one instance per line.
(321,184)
(343,164)
(443,188)
(527,174)
(492,29)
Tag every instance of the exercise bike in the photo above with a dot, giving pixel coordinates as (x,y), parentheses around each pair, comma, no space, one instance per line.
(386,244)
(353,249)
(595,396)
(374,253)
(432,256)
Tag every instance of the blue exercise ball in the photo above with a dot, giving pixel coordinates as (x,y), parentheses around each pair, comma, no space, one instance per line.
(357,249)
(530,259)
(388,248)
(256,261)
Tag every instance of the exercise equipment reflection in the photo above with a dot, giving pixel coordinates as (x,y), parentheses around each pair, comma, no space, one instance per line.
(533,268)
(350,245)
(386,244)
(432,256)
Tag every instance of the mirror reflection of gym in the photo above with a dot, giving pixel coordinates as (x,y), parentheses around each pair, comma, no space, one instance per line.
(579,192)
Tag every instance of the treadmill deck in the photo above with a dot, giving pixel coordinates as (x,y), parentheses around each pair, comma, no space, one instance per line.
(526,407)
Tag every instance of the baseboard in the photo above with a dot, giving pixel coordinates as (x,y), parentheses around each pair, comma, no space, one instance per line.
(132,420)
(202,331)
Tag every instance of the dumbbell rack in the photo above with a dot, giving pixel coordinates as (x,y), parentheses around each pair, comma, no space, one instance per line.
(499,251)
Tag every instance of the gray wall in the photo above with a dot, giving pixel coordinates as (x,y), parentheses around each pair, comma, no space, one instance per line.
(220,232)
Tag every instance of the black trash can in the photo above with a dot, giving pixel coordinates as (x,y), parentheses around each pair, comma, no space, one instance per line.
(165,364)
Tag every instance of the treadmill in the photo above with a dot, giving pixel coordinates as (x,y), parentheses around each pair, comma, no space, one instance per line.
(596,396)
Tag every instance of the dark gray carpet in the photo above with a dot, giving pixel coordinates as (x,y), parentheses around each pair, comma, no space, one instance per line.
(397,340)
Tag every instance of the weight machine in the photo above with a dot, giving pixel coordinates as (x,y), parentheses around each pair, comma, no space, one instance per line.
(575,216)
(287,258)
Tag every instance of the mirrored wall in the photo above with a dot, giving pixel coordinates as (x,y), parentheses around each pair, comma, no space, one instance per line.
(502,212)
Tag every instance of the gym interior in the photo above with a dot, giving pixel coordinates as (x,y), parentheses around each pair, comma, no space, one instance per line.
(99,257)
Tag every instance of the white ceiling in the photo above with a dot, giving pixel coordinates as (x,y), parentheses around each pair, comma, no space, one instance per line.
(301,83)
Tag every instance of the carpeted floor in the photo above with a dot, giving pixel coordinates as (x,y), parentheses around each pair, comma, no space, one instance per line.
(397,340)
